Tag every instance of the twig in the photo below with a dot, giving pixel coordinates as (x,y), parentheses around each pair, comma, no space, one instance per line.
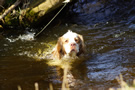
(1,6)
(36,86)
(10,9)
(51,87)
(65,83)
(19,87)
(51,20)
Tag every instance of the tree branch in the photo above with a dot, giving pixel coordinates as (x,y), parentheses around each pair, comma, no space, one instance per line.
(10,9)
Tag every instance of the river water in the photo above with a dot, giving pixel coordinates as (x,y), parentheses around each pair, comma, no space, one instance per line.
(110,52)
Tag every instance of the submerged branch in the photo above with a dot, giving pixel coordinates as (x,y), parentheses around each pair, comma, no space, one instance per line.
(10,9)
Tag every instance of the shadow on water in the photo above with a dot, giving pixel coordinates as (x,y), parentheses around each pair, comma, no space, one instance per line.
(110,52)
(24,71)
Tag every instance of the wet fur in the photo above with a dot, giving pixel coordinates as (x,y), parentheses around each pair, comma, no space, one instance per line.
(59,50)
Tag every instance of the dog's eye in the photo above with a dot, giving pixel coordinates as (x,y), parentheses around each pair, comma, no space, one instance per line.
(76,40)
(66,41)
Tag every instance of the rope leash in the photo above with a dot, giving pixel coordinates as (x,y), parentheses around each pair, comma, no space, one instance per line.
(66,2)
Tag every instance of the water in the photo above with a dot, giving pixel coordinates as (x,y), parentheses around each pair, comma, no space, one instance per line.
(110,52)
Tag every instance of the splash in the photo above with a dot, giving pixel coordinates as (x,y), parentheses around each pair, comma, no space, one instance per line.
(25,37)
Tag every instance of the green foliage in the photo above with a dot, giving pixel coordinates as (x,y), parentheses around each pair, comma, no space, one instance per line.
(11,20)
(31,16)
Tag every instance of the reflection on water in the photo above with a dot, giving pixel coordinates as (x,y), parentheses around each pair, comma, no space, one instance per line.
(110,51)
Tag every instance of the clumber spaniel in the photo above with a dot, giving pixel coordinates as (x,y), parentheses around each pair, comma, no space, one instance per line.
(69,45)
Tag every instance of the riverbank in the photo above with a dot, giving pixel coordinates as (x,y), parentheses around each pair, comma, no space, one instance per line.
(29,13)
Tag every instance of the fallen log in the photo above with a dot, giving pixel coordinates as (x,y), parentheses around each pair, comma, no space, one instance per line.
(33,14)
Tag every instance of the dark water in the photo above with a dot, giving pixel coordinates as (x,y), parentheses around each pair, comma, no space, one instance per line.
(98,11)
(110,52)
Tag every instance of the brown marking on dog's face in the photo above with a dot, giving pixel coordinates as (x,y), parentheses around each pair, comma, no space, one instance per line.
(68,43)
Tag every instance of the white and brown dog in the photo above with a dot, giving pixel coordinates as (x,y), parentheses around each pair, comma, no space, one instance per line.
(70,44)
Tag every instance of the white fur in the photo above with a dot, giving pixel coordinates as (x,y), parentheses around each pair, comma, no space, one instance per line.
(71,37)
(69,45)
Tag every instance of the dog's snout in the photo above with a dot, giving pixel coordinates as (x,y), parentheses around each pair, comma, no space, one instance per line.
(73,44)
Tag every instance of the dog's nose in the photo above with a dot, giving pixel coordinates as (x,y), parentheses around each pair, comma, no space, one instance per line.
(73,44)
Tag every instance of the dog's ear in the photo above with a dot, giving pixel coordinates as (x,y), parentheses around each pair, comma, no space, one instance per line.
(82,45)
(57,50)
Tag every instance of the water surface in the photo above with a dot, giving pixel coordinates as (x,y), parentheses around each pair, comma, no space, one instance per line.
(110,52)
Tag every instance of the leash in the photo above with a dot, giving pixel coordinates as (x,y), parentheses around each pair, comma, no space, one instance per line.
(66,2)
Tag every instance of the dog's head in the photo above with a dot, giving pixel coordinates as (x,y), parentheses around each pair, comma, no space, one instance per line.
(68,44)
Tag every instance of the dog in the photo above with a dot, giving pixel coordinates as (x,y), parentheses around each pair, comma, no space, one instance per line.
(69,45)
